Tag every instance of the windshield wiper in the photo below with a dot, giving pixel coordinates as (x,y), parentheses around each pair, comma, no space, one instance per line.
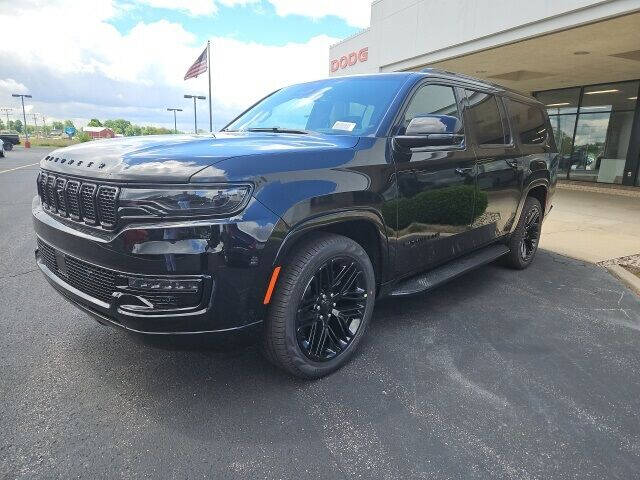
(277,130)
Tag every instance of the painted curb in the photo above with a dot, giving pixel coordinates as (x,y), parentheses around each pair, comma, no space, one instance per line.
(626,277)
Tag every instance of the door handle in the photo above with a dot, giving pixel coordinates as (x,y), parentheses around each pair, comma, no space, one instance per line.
(463,172)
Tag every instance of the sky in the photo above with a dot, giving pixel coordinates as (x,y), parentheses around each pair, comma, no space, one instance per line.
(105,59)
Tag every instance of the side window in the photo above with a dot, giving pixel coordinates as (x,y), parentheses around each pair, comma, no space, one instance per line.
(432,100)
(486,118)
(530,120)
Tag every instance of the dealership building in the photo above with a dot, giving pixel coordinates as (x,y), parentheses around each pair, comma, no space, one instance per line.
(581,58)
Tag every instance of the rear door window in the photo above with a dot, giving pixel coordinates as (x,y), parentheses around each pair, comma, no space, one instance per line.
(488,124)
(530,121)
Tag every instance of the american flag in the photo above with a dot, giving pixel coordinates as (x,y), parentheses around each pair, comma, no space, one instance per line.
(198,67)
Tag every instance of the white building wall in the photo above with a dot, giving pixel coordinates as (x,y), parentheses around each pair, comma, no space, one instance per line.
(405,34)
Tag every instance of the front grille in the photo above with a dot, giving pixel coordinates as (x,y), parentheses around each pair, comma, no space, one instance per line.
(48,255)
(86,202)
(100,283)
(95,281)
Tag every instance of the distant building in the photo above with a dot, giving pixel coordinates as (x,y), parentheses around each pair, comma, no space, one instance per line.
(99,132)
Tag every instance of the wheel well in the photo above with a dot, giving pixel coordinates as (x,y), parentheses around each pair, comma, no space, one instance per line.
(540,193)
(363,232)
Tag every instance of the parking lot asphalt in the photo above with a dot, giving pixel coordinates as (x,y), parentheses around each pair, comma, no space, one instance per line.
(499,374)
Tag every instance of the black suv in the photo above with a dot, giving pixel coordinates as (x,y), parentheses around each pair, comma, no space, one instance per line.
(294,218)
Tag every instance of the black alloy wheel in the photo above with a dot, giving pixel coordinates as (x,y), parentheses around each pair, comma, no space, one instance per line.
(331,309)
(524,240)
(321,306)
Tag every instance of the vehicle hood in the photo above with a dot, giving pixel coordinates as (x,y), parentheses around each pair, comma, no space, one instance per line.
(175,158)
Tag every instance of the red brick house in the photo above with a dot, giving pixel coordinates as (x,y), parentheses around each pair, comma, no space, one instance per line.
(99,132)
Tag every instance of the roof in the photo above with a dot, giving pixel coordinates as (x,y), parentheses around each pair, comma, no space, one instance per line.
(95,129)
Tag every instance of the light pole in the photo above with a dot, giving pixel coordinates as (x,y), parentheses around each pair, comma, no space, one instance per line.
(24,116)
(195,117)
(174,110)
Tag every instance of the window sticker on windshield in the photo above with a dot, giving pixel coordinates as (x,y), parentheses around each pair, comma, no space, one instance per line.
(347,126)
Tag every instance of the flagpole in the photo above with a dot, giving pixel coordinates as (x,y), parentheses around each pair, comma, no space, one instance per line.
(209,71)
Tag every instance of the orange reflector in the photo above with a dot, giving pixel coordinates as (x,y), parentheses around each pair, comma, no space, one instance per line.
(272,284)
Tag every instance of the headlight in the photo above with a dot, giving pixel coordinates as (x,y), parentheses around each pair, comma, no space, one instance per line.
(184,201)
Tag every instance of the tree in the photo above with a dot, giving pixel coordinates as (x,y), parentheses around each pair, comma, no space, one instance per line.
(1,124)
(119,125)
(57,125)
(83,137)
(69,123)
(16,125)
(94,122)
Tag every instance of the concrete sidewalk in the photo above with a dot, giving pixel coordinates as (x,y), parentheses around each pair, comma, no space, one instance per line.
(593,226)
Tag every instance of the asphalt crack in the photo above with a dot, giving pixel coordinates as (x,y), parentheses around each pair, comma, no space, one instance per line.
(26,272)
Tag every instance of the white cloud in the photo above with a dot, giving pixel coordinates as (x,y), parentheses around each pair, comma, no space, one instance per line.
(92,70)
(356,13)
(9,86)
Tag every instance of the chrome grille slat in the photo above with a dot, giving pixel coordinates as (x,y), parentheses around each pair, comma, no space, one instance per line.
(106,201)
(87,198)
(61,200)
(50,192)
(73,199)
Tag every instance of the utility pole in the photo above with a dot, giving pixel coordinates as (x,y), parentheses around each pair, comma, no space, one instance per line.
(6,111)
(174,110)
(22,96)
(35,122)
(195,116)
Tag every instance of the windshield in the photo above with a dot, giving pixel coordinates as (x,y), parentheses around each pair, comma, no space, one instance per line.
(339,106)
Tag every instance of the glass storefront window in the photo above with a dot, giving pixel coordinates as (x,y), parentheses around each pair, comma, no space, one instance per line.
(612,96)
(560,101)
(602,119)
(563,127)
(588,146)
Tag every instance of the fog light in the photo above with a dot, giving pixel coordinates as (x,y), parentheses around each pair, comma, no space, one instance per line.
(160,285)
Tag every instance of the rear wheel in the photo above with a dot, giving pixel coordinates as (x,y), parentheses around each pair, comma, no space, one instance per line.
(524,240)
(321,307)
(8,147)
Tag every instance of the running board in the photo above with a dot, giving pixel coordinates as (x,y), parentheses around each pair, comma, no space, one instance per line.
(436,277)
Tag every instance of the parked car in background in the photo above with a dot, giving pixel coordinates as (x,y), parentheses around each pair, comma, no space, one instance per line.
(301,212)
(10,139)
(1,148)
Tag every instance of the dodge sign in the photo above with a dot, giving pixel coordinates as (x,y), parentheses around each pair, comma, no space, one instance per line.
(350,59)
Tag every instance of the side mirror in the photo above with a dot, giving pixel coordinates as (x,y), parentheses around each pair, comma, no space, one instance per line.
(431,130)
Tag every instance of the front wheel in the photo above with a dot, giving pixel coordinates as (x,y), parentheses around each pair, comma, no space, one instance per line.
(524,240)
(321,307)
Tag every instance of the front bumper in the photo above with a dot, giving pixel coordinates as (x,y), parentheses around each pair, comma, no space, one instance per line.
(231,259)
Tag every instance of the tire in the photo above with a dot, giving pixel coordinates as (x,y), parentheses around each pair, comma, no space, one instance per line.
(523,243)
(8,147)
(293,330)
